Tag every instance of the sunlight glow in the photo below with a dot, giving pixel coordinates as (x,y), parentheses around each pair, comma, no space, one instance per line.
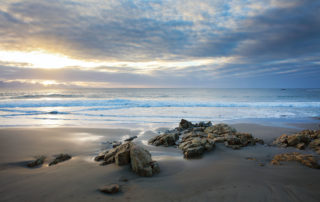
(42,59)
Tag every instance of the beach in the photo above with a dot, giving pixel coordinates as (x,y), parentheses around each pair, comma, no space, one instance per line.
(220,175)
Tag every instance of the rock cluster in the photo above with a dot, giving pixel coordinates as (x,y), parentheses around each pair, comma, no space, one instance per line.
(200,137)
(301,140)
(60,158)
(305,159)
(230,137)
(130,153)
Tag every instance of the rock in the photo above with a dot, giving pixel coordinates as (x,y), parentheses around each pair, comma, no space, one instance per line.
(193,152)
(195,144)
(184,124)
(220,129)
(60,158)
(122,156)
(37,162)
(301,145)
(100,156)
(293,140)
(110,189)
(305,159)
(315,144)
(299,140)
(141,162)
(130,138)
(116,144)
(165,139)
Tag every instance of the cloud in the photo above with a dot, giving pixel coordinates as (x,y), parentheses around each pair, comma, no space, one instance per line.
(267,39)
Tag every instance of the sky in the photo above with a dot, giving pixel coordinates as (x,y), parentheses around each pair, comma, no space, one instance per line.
(160,43)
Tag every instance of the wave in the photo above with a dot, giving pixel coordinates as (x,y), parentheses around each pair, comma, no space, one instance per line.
(124,103)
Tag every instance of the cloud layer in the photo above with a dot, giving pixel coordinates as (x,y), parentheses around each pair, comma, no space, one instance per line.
(268,43)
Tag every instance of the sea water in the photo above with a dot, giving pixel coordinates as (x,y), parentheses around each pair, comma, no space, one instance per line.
(152,107)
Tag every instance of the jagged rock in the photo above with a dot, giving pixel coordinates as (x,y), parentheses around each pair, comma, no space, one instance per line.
(37,162)
(184,124)
(305,159)
(60,158)
(141,162)
(167,139)
(130,139)
(110,189)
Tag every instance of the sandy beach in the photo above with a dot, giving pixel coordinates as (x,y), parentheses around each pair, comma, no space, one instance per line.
(221,175)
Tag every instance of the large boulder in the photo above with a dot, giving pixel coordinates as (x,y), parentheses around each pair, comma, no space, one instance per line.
(141,162)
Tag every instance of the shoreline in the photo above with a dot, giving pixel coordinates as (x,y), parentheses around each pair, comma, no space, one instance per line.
(222,174)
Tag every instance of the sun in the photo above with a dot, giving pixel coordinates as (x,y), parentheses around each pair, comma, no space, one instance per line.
(42,59)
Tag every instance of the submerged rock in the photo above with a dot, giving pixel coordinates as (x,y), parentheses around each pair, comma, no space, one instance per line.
(304,159)
(37,162)
(60,158)
(110,189)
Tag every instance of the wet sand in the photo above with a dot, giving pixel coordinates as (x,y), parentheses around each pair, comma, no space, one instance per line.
(221,175)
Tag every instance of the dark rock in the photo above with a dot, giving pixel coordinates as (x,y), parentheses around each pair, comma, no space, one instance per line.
(184,124)
(110,189)
(37,162)
(60,158)
(130,138)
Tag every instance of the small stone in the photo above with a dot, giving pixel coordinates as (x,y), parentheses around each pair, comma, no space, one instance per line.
(110,189)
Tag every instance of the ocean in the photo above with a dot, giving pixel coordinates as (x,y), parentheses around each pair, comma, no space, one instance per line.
(152,107)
